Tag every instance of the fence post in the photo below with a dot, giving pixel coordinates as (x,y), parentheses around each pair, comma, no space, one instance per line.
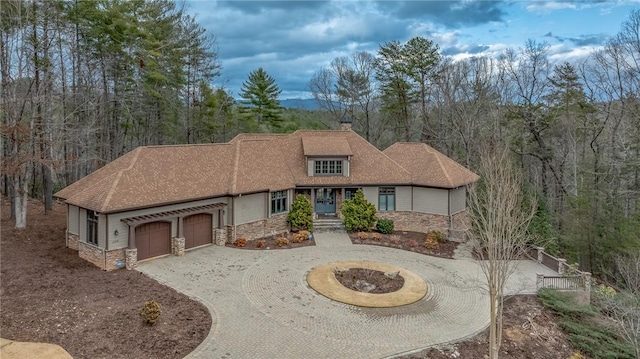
(562,263)
(540,251)
(539,281)
(586,277)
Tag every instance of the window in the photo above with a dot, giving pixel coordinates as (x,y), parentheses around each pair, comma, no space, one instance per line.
(387,199)
(278,202)
(328,167)
(350,192)
(92,227)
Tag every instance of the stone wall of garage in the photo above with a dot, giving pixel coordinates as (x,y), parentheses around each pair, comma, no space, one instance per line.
(115,257)
(92,254)
(276,224)
(416,221)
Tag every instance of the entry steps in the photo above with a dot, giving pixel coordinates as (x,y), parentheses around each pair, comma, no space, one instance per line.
(328,224)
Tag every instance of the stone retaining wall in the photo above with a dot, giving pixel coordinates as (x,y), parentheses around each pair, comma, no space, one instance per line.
(275,225)
(416,221)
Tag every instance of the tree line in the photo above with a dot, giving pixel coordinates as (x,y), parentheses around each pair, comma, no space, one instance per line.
(84,82)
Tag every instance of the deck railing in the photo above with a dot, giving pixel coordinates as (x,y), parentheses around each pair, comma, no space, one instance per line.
(567,279)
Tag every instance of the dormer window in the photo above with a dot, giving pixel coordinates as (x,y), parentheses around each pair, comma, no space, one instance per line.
(328,168)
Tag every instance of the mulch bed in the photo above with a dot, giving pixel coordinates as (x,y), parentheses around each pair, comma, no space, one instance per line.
(357,278)
(407,240)
(270,243)
(49,294)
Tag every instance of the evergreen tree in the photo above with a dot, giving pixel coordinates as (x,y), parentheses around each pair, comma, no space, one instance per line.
(260,106)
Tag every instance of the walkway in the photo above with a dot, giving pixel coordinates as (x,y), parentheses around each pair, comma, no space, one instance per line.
(262,306)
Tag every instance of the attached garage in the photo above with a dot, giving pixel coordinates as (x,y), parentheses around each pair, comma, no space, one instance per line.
(198,230)
(153,239)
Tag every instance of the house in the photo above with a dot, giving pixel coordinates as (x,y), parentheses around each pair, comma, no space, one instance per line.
(158,200)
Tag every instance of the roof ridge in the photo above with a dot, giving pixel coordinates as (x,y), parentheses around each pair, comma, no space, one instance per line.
(105,204)
(234,177)
(437,154)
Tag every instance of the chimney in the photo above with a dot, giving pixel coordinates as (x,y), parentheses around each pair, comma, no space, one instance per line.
(345,124)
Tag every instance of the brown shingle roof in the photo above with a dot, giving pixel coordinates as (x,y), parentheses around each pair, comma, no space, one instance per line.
(156,175)
(333,146)
(429,167)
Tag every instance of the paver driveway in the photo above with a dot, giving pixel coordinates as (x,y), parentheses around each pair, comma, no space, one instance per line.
(262,307)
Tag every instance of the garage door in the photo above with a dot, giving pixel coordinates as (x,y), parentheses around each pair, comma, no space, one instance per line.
(197,230)
(153,239)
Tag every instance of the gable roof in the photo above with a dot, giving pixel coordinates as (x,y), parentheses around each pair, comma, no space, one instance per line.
(429,167)
(157,175)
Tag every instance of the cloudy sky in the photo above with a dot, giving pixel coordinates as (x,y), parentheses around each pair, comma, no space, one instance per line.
(293,39)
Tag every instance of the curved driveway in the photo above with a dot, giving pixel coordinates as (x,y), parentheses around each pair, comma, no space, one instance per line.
(262,307)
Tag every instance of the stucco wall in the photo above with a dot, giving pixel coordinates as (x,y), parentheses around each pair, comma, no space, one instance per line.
(371,194)
(458,200)
(431,200)
(403,198)
(250,208)
(82,236)
(73,219)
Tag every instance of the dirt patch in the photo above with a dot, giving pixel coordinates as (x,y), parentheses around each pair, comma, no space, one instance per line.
(406,240)
(530,332)
(369,280)
(49,294)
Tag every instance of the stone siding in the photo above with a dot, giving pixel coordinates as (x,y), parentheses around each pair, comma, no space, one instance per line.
(92,254)
(115,257)
(73,241)
(416,221)
(460,226)
(220,236)
(131,258)
(258,229)
(177,246)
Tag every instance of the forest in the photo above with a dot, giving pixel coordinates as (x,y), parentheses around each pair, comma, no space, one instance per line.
(83,82)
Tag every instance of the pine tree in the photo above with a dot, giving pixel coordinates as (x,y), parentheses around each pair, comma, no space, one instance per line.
(260,105)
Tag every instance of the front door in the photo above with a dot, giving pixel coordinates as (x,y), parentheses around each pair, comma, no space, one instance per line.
(325,200)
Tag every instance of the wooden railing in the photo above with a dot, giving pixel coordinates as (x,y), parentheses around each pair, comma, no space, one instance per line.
(574,280)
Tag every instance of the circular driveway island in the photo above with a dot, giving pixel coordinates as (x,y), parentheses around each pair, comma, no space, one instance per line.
(323,280)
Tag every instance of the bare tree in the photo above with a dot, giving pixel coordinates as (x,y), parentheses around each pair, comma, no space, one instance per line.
(500,219)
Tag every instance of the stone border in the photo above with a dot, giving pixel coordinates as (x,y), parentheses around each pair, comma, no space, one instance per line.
(322,279)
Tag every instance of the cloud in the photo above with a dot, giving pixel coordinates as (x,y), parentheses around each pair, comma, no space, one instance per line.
(581,40)
(452,14)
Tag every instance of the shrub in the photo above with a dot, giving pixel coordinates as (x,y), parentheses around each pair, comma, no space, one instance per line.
(412,243)
(282,241)
(150,312)
(363,235)
(301,214)
(358,213)
(297,238)
(436,236)
(261,243)
(376,236)
(385,226)
(431,244)
(241,242)
(394,239)
(304,234)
